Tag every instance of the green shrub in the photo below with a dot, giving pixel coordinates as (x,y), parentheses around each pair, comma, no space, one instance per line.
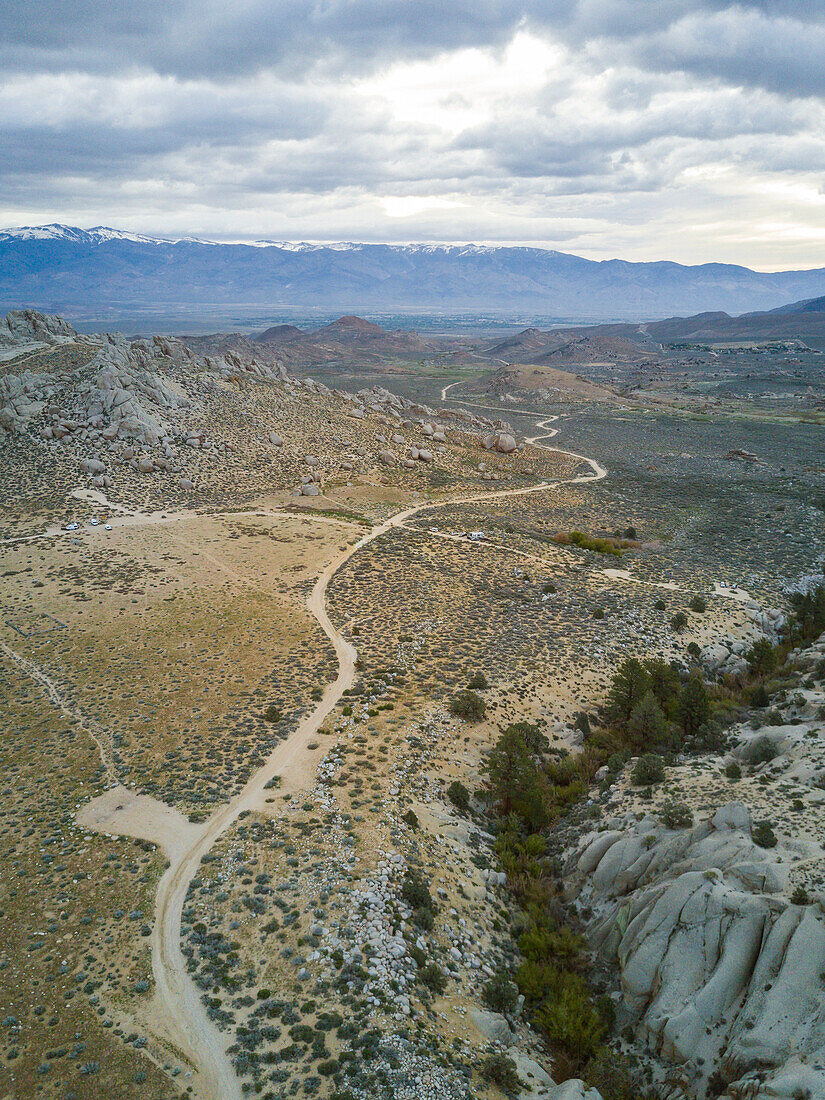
(809,614)
(698,604)
(569,1017)
(676,815)
(477,682)
(708,738)
(515,785)
(459,795)
(558,945)
(732,770)
(679,622)
(664,683)
(610,1073)
(630,684)
(534,739)
(411,818)
(581,722)
(660,605)
(800,896)
(432,976)
(598,546)
(416,893)
(762,751)
(763,835)
(615,762)
(760,698)
(467,705)
(500,993)
(500,1070)
(648,769)
(424,918)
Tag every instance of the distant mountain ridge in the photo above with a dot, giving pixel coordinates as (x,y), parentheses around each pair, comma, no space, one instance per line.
(803,320)
(811,305)
(64,268)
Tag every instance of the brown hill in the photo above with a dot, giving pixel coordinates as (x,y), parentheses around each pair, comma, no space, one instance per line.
(354,326)
(278,334)
(569,346)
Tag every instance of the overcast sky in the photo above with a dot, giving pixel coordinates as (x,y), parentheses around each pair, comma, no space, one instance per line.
(646,129)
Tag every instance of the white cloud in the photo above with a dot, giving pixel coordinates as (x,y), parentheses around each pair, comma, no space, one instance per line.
(683,129)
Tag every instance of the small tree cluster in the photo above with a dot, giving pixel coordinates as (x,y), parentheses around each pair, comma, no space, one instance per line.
(468,705)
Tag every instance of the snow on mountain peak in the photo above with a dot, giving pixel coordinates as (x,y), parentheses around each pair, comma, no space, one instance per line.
(100,234)
(57,232)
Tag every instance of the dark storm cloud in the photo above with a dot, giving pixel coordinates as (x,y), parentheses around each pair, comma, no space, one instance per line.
(227,112)
(782,54)
(195,38)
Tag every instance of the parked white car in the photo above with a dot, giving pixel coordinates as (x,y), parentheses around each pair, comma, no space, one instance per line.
(93,522)
(72,526)
(107,526)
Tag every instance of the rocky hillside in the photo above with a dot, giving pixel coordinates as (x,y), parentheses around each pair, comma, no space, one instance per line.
(708,897)
(149,423)
(347,344)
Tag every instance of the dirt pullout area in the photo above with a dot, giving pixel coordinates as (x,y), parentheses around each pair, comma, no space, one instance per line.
(123,812)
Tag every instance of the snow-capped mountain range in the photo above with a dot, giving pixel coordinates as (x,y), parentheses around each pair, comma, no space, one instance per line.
(61,267)
(98,234)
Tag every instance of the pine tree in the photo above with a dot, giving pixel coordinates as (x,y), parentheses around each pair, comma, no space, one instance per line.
(514,781)
(648,725)
(694,705)
(664,683)
(630,685)
(761,657)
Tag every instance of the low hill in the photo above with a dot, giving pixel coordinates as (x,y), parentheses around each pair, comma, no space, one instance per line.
(803,320)
(346,343)
(811,305)
(278,334)
(561,347)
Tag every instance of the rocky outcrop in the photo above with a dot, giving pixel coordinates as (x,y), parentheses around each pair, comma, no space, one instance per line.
(383,403)
(22,397)
(502,442)
(728,655)
(720,973)
(27,325)
(128,394)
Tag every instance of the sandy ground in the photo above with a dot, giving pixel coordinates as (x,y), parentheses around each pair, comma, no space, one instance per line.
(178,1015)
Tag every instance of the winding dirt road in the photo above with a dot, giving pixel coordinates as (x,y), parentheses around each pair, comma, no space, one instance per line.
(178,1014)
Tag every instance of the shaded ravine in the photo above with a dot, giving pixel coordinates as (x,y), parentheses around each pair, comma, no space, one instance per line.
(178,1014)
